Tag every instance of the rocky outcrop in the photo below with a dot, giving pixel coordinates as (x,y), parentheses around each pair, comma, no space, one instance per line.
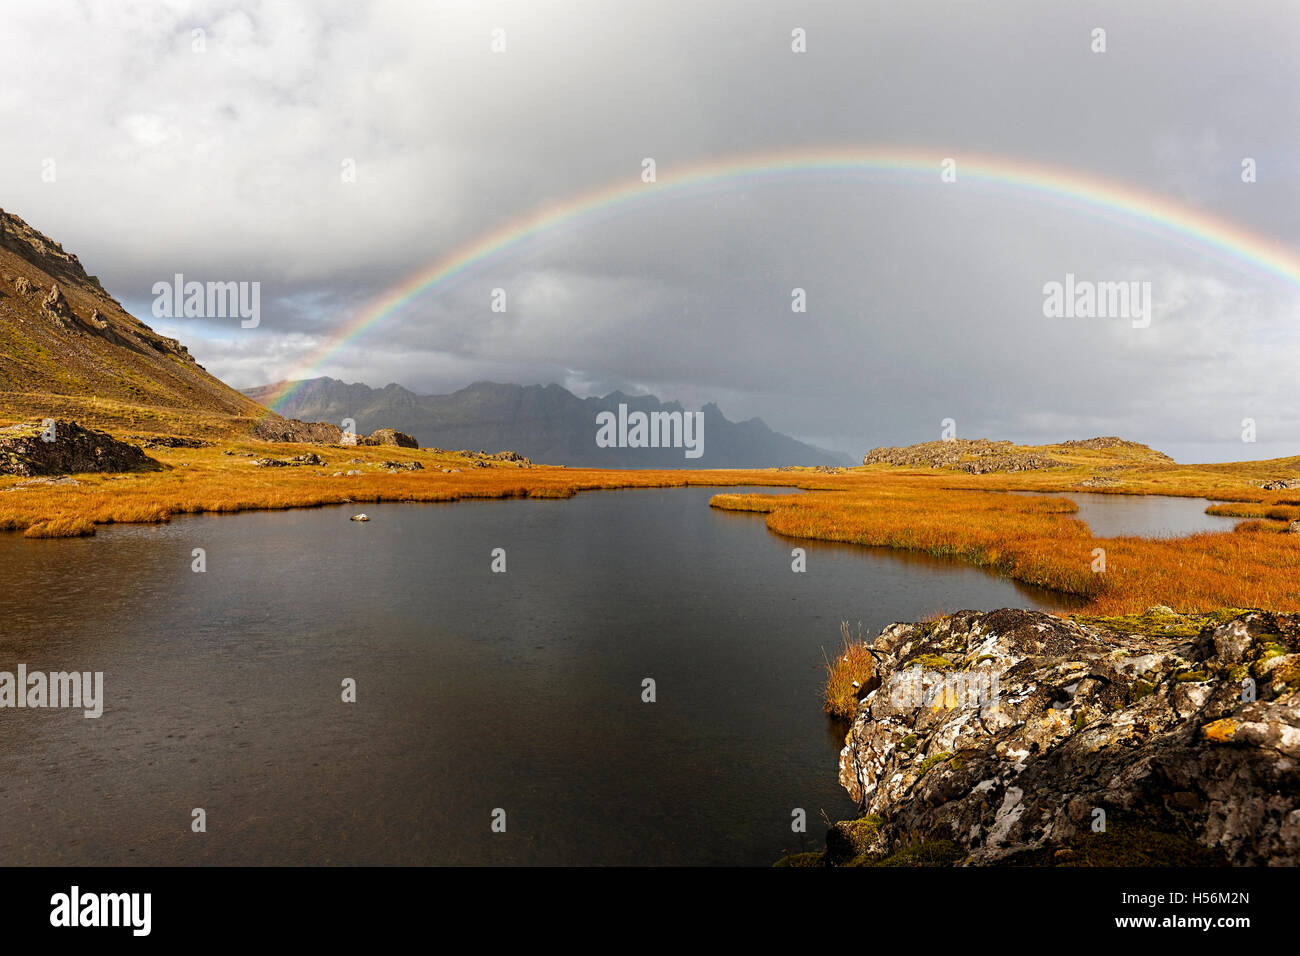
(59,447)
(1281,484)
(1013,736)
(1113,443)
(292,430)
(311,458)
(55,306)
(1099,481)
(40,249)
(389,436)
(324,433)
(169,441)
(975,456)
(980,456)
(481,458)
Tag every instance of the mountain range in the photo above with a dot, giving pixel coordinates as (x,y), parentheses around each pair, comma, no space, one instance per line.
(547,423)
(69,350)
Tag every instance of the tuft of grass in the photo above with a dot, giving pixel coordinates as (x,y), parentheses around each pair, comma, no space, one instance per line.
(1123,844)
(60,528)
(848,676)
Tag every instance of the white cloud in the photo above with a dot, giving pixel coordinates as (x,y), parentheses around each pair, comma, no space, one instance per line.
(924,303)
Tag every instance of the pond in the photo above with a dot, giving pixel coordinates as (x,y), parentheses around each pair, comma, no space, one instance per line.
(476,691)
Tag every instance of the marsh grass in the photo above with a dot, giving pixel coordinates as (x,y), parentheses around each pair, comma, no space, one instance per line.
(1038,541)
(1034,539)
(849,675)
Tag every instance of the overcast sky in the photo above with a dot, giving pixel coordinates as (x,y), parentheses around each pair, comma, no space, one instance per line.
(925,299)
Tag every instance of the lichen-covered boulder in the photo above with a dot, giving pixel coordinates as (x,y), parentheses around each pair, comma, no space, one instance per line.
(1014,735)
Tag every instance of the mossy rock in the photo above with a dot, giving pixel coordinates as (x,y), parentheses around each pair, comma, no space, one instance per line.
(1142,688)
(922,853)
(848,839)
(930,762)
(801,859)
(1163,621)
(931,662)
(1123,844)
(1287,673)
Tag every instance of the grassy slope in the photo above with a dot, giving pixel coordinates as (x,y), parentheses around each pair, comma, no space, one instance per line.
(125,376)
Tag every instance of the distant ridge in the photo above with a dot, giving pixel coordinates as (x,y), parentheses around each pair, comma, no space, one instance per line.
(548,423)
(980,456)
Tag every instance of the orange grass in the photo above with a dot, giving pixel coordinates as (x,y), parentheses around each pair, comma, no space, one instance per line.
(1037,541)
(60,528)
(848,675)
(206,480)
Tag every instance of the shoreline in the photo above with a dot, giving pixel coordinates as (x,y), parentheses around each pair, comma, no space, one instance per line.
(1035,539)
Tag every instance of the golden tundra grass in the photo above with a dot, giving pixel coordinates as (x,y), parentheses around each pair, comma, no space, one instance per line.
(1038,540)
(206,479)
(968,518)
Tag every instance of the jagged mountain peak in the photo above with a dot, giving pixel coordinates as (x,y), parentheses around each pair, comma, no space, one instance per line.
(548,423)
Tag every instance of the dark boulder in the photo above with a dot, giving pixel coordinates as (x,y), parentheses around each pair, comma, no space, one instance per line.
(26,450)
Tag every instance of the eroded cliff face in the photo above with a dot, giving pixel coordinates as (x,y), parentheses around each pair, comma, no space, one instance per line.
(1014,736)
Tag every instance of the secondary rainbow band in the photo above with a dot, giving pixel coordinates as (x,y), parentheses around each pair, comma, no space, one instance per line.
(1141,210)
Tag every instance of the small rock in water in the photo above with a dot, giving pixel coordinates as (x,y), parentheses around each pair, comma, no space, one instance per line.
(361,517)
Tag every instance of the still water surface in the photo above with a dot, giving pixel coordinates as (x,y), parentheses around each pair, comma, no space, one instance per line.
(475,690)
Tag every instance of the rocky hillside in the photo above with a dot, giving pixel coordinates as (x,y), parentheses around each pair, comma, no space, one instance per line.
(545,423)
(1017,737)
(980,456)
(69,350)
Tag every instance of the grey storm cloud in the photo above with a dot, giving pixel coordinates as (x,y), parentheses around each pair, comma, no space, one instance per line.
(210,139)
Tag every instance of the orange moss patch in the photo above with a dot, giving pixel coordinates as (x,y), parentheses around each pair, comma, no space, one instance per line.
(1220,731)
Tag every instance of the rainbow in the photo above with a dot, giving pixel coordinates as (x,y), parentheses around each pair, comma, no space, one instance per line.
(1141,210)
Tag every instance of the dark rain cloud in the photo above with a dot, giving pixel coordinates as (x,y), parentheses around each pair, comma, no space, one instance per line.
(925,299)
